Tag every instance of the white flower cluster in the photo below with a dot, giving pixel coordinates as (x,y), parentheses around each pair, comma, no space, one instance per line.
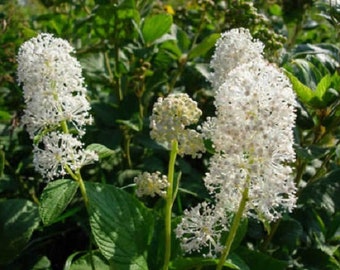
(169,120)
(54,93)
(60,151)
(233,48)
(150,184)
(200,229)
(252,134)
(53,85)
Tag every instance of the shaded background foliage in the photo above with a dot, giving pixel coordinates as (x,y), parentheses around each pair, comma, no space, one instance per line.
(135,51)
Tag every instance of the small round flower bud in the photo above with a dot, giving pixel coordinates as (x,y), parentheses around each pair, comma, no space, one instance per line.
(150,184)
(169,120)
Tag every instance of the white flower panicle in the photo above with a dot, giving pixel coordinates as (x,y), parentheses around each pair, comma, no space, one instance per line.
(57,151)
(150,184)
(252,134)
(55,95)
(169,120)
(233,48)
(53,85)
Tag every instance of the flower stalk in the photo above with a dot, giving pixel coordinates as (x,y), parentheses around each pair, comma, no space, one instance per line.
(169,203)
(233,229)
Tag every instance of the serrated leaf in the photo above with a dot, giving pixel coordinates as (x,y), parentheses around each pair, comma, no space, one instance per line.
(18,219)
(101,150)
(203,47)
(55,198)
(155,27)
(84,262)
(122,227)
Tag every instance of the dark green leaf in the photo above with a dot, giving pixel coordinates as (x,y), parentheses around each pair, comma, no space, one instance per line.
(2,162)
(55,198)
(18,219)
(155,27)
(314,258)
(288,234)
(193,263)
(260,261)
(121,225)
(323,194)
(42,264)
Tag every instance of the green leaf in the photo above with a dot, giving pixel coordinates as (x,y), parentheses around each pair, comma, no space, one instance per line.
(5,116)
(323,86)
(2,162)
(84,262)
(18,219)
(42,264)
(183,40)
(304,93)
(121,225)
(323,194)
(55,198)
(155,27)
(288,234)
(192,263)
(101,150)
(313,258)
(203,47)
(260,261)
(129,124)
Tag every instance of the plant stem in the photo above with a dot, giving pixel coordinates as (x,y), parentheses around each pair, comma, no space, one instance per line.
(64,126)
(268,239)
(234,227)
(169,203)
(82,189)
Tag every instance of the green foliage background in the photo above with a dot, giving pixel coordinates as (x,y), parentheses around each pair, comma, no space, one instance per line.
(133,51)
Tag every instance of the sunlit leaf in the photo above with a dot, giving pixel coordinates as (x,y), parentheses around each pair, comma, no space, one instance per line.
(155,27)
(85,261)
(101,150)
(121,226)
(304,93)
(204,46)
(55,198)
